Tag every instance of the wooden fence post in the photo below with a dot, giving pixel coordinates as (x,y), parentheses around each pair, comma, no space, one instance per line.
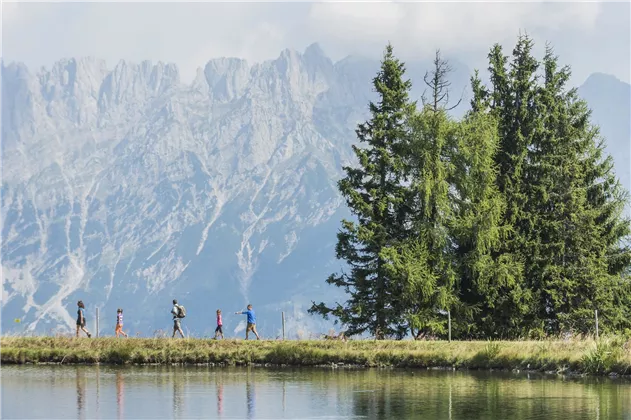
(449,324)
(596,313)
(97,322)
(283,318)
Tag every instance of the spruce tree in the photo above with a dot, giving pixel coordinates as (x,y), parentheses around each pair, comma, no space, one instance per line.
(563,202)
(510,99)
(489,282)
(426,259)
(374,193)
(576,205)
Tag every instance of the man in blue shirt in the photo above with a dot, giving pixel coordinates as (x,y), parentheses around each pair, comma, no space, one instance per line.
(251,322)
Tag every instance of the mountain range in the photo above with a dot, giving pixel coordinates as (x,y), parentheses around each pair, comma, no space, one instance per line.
(127,188)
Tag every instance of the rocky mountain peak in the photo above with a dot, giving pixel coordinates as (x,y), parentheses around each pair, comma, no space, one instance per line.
(227,78)
(315,52)
(129,86)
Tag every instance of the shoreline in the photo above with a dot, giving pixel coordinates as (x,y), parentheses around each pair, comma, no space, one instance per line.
(542,373)
(609,356)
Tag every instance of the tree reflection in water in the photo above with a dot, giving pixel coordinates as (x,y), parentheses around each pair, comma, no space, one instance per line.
(482,395)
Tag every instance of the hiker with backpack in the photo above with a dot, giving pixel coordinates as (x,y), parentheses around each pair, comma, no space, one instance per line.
(178,312)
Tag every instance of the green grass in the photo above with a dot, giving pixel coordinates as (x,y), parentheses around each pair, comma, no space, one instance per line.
(608,355)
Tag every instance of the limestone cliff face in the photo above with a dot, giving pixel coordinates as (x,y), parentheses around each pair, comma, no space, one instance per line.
(125,187)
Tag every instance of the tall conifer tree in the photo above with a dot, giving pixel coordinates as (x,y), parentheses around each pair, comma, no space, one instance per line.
(426,259)
(576,206)
(490,282)
(563,202)
(510,99)
(374,192)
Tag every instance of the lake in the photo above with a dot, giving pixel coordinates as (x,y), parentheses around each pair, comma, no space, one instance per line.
(165,392)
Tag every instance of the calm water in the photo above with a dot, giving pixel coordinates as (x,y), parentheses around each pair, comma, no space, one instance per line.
(159,392)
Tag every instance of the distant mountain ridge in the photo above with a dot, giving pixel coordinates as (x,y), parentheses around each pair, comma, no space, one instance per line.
(127,188)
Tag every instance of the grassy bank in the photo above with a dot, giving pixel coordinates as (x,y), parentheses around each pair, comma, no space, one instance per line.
(609,355)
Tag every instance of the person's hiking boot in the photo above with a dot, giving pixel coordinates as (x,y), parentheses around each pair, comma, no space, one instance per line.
(89,335)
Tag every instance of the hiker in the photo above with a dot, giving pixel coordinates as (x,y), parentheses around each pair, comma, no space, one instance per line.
(119,323)
(251,322)
(219,329)
(81,319)
(178,313)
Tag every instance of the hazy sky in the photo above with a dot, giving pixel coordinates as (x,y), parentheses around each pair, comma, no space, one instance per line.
(591,37)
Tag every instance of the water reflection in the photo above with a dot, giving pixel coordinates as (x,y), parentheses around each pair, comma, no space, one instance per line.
(219,386)
(177,395)
(120,395)
(250,395)
(457,396)
(176,392)
(284,394)
(98,400)
(80,380)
